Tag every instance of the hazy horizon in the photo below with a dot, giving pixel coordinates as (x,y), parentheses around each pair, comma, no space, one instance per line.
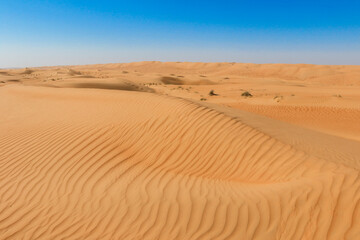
(51,33)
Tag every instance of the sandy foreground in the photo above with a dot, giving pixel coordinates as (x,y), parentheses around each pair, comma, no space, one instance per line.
(142,151)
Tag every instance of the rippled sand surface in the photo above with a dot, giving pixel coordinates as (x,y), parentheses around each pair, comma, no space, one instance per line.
(143,151)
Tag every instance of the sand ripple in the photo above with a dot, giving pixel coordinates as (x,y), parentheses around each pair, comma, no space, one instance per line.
(97,164)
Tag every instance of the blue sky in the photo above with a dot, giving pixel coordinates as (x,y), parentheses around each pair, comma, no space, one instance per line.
(38,33)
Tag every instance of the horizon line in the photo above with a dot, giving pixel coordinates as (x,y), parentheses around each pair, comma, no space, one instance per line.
(156,61)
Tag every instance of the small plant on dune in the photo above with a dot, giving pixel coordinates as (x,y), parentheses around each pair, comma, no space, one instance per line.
(226,78)
(125,72)
(212,93)
(203,99)
(246,94)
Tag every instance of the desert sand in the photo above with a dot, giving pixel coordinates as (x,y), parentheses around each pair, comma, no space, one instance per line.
(142,151)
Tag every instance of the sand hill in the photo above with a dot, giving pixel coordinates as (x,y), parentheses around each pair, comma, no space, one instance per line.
(142,151)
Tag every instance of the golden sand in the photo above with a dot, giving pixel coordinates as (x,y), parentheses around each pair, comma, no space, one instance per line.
(142,151)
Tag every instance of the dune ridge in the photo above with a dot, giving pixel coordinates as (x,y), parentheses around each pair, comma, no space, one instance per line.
(334,74)
(134,165)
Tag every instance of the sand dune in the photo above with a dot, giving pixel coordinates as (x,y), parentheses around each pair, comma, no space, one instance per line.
(79,161)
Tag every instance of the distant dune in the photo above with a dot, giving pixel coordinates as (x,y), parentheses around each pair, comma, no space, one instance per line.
(144,151)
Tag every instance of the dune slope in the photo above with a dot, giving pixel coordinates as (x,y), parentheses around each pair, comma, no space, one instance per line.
(109,164)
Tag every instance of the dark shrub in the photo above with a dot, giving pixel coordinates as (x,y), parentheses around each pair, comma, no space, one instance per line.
(246,94)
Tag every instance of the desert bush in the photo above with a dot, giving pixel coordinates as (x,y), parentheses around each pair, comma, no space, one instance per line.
(212,93)
(246,94)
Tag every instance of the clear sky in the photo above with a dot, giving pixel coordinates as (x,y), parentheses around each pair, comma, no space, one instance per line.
(39,33)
